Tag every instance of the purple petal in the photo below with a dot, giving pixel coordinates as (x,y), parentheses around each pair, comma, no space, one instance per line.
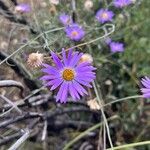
(86,68)
(75,59)
(84,64)
(56,84)
(147,95)
(52,82)
(69,56)
(79,88)
(145,90)
(73,92)
(62,93)
(83,82)
(64,56)
(50,70)
(56,60)
(86,79)
(47,77)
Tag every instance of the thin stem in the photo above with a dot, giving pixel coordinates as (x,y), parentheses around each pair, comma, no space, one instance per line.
(123,99)
(17,144)
(23,46)
(77,138)
(104,117)
(131,145)
(11,103)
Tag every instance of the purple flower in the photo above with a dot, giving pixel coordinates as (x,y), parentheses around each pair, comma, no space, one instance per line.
(146,87)
(23,8)
(75,32)
(104,15)
(121,3)
(116,47)
(65,19)
(68,75)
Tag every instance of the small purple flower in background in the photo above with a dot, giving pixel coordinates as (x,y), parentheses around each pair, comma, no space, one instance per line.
(65,19)
(74,32)
(68,75)
(104,15)
(116,47)
(121,3)
(146,87)
(23,8)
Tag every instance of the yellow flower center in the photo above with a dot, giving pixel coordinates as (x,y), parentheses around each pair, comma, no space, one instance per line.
(74,33)
(68,74)
(104,15)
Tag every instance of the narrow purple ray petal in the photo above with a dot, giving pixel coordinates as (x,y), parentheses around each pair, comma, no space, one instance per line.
(75,59)
(84,64)
(73,91)
(145,90)
(48,77)
(84,69)
(79,88)
(58,97)
(56,60)
(69,57)
(145,83)
(147,95)
(56,84)
(50,70)
(63,98)
(52,82)
(83,82)
(64,56)
(86,79)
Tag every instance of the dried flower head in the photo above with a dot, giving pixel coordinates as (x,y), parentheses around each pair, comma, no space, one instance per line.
(88,4)
(93,104)
(35,59)
(104,15)
(68,75)
(146,87)
(74,32)
(121,3)
(4,45)
(23,8)
(86,58)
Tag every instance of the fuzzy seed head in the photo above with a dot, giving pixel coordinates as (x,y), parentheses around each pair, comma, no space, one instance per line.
(35,59)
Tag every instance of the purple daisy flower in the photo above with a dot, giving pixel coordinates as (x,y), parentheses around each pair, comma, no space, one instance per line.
(75,32)
(69,75)
(23,8)
(146,87)
(65,19)
(121,3)
(116,47)
(104,15)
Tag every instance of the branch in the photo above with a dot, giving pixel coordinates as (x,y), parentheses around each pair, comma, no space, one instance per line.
(12,83)
(11,103)
(20,118)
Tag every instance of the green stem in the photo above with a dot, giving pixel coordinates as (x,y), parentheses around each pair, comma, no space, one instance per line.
(103,114)
(123,99)
(131,145)
(86,132)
